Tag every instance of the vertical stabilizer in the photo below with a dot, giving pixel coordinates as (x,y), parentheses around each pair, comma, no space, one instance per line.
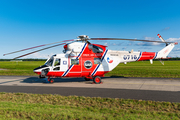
(165,51)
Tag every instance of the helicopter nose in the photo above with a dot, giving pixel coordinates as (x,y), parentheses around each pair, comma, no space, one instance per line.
(37,71)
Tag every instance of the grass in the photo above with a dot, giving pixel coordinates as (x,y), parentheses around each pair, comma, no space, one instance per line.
(24,68)
(48,106)
(171,69)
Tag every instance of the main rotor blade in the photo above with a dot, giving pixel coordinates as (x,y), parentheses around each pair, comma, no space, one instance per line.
(37,46)
(127,39)
(38,51)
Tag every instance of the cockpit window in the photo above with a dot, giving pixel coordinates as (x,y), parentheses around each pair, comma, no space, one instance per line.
(49,62)
(97,49)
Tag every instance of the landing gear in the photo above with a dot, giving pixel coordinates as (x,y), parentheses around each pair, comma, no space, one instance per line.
(44,73)
(97,80)
(50,80)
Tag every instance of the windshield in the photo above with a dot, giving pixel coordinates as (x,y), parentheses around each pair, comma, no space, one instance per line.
(50,61)
(97,49)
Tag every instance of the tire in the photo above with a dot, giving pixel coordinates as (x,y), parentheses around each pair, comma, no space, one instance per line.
(87,79)
(97,80)
(51,81)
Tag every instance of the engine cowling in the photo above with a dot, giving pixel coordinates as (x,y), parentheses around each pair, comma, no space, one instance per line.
(75,47)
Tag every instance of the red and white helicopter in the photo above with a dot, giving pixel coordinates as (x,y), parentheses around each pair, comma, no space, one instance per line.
(91,61)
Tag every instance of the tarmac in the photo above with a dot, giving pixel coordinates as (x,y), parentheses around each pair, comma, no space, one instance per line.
(155,89)
(157,84)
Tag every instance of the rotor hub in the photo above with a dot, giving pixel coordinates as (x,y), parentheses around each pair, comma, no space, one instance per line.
(83,37)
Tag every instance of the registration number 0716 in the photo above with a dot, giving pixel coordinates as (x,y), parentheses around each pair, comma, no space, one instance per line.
(129,57)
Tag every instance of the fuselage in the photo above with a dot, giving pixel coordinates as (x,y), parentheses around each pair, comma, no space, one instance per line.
(89,60)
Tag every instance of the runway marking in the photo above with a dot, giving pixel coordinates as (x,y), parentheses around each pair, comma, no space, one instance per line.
(8,81)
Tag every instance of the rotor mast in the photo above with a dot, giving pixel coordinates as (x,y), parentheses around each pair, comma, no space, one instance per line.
(83,38)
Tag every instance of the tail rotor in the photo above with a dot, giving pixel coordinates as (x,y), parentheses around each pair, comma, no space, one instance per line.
(162,39)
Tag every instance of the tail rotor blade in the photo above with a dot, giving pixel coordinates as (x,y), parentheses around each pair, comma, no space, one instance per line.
(37,47)
(161,38)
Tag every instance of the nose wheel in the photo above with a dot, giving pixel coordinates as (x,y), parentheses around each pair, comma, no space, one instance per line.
(50,80)
(97,80)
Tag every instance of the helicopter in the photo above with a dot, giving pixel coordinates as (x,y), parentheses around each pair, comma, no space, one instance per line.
(80,58)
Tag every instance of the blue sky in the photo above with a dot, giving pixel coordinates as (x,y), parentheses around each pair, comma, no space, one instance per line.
(30,23)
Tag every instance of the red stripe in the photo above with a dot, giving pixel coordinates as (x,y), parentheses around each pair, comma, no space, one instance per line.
(147,56)
(159,35)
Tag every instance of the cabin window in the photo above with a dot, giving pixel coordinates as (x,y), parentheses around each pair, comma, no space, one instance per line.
(97,49)
(57,62)
(74,61)
(97,61)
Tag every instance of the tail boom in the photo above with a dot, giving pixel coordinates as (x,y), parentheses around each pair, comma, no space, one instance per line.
(125,56)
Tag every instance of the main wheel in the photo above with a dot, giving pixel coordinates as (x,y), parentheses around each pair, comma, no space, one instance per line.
(87,79)
(51,81)
(97,80)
